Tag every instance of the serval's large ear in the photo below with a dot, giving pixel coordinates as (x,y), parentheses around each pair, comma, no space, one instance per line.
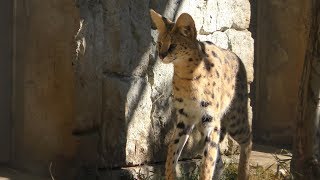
(162,24)
(185,25)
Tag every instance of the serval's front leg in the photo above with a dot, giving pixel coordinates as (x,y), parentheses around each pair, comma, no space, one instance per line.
(219,166)
(211,151)
(181,135)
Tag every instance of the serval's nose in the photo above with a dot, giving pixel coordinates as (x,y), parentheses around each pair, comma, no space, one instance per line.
(163,55)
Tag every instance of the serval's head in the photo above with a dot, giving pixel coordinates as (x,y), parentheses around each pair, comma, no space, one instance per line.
(175,40)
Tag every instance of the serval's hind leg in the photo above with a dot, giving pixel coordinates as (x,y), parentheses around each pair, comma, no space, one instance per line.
(181,135)
(244,137)
(245,151)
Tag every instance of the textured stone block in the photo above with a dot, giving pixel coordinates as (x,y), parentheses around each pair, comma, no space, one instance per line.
(162,112)
(217,15)
(241,43)
(126,37)
(126,122)
(219,38)
(225,14)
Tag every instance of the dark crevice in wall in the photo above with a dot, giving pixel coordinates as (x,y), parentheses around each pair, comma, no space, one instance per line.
(253,88)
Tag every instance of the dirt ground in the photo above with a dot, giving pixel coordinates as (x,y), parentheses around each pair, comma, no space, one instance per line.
(264,156)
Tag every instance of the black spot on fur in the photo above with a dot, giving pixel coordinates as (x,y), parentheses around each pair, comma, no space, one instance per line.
(226,61)
(217,73)
(210,158)
(217,105)
(181,111)
(221,137)
(207,64)
(176,141)
(214,54)
(180,125)
(228,80)
(205,103)
(232,134)
(213,144)
(186,130)
(223,130)
(179,99)
(216,129)
(172,47)
(206,91)
(203,48)
(190,59)
(207,139)
(222,134)
(197,77)
(205,153)
(206,118)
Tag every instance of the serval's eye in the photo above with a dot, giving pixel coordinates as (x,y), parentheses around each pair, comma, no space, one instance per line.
(172,47)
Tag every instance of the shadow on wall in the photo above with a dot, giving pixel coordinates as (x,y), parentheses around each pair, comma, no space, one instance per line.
(119,100)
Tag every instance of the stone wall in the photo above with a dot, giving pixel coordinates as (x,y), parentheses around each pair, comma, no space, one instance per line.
(123,92)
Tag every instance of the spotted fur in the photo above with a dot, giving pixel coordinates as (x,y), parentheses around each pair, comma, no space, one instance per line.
(210,91)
